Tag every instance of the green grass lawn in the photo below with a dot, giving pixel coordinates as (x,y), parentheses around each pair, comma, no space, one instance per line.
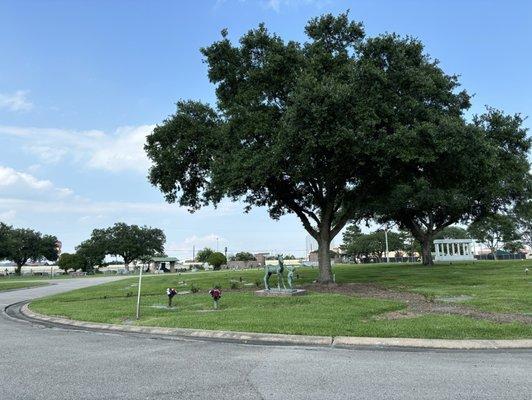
(7,284)
(493,286)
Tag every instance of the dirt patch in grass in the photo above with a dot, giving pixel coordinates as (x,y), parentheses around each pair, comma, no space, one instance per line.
(416,304)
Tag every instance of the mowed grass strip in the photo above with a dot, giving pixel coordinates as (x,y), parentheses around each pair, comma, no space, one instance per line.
(496,286)
(12,285)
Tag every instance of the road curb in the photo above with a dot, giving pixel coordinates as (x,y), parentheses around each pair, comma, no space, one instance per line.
(283,339)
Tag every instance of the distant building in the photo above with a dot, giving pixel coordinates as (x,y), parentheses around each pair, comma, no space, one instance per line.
(335,257)
(165,264)
(261,258)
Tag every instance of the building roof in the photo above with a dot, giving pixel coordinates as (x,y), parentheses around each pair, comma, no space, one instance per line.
(164,259)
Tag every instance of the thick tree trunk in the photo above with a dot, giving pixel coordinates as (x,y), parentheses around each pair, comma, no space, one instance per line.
(324,258)
(18,269)
(426,251)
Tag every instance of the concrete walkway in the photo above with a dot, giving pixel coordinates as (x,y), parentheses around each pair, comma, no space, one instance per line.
(44,363)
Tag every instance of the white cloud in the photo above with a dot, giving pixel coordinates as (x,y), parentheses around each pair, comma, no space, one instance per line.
(24,193)
(277,4)
(17,101)
(8,216)
(121,150)
(202,241)
(24,185)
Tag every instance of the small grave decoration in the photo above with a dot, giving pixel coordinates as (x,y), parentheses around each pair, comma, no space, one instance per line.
(215,294)
(170,292)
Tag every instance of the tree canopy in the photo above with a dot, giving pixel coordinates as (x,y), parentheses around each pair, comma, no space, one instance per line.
(4,232)
(69,261)
(336,128)
(370,245)
(131,242)
(92,251)
(494,231)
(203,255)
(244,256)
(445,170)
(452,232)
(287,132)
(217,259)
(22,245)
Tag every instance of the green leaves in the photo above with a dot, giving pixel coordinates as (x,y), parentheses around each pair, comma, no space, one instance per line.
(131,242)
(336,128)
(22,245)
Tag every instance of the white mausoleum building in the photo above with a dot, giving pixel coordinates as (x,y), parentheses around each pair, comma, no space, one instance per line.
(454,249)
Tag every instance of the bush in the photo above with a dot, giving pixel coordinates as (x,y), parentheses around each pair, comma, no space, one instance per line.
(194,288)
(217,259)
(234,285)
(203,255)
(258,282)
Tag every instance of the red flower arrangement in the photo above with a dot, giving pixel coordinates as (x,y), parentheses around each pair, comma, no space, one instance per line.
(215,294)
(170,292)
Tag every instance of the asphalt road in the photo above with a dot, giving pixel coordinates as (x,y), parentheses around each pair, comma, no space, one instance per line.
(52,363)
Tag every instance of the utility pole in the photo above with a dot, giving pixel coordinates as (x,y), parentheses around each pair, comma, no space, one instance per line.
(216,243)
(193,252)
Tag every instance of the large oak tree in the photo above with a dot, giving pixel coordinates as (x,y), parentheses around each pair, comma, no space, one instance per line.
(338,127)
(287,132)
(453,171)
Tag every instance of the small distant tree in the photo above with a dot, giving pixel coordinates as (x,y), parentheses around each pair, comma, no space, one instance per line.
(70,261)
(217,259)
(494,231)
(23,245)
(244,256)
(4,234)
(523,217)
(130,241)
(289,257)
(514,246)
(203,255)
(92,252)
(372,244)
(351,232)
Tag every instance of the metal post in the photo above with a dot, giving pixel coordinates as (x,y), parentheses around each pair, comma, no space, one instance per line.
(386,240)
(138,294)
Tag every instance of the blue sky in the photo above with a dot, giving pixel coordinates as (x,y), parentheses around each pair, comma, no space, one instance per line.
(83,82)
